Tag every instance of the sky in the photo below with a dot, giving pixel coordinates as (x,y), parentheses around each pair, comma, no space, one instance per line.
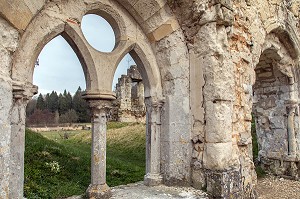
(59,67)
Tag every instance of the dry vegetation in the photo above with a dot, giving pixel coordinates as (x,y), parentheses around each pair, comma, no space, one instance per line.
(278,188)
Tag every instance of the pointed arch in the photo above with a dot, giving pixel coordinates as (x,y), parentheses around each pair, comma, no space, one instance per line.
(34,40)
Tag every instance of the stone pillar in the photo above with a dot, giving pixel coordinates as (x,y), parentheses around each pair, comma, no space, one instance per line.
(291,131)
(21,96)
(5,129)
(140,91)
(153,176)
(98,187)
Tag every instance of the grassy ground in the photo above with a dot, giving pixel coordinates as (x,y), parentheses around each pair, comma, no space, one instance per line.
(56,167)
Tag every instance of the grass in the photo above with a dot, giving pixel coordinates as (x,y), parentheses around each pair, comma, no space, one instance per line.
(43,179)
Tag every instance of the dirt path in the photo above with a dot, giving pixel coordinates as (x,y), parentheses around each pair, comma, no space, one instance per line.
(272,187)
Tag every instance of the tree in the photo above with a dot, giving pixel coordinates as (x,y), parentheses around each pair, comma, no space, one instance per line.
(47,100)
(69,99)
(81,107)
(40,104)
(53,102)
(41,117)
(31,106)
(69,117)
(62,104)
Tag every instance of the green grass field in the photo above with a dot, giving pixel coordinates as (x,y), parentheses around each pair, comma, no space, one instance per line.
(56,167)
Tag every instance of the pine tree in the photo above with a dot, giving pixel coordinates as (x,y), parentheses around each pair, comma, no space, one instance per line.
(81,107)
(62,104)
(47,100)
(53,102)
(40,104)
(69,100)
(31,106)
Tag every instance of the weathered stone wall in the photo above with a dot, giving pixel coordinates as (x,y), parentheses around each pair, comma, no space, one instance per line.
(9,38)
(129,105)
(225,41)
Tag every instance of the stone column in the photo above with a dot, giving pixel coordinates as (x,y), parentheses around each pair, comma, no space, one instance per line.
(98,187)
(21,97)
(291,131)
(6,100)
(153,176)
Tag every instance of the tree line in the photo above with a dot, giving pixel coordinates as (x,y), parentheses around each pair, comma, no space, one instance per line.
(52,109)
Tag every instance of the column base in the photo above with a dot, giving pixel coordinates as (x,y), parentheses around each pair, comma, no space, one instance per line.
(152,179)
(99,191)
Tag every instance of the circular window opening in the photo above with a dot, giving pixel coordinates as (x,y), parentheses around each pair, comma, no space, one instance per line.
(98,32)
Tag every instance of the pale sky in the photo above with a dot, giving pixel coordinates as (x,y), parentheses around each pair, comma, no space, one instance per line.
(59,67)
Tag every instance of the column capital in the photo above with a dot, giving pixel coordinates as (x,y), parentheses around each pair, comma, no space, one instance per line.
(99,105)
(98,95)
(151,102)
(23,90)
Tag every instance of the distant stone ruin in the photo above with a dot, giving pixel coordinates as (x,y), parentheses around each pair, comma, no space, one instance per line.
(129,105)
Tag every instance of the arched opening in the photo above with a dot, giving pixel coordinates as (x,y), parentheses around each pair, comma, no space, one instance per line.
(95,65)
(275,114)
(56,164)
(129,111)
(98,32)
(136,107)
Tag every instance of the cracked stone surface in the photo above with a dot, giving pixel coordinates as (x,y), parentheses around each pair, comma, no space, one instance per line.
(140,191)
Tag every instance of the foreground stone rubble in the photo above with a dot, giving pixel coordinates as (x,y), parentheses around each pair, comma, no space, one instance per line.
(207,66)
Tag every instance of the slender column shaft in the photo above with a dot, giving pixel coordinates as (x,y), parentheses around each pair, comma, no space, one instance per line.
(21,93)
(98,187)
(17,149)
(291,131)
(153,176)
(99,147)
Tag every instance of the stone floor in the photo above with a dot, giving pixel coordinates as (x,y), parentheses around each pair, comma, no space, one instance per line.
(140,191)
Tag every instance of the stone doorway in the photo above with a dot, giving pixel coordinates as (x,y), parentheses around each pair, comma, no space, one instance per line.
(275,113)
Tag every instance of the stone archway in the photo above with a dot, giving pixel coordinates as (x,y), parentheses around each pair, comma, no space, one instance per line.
(275,109)
(99,69)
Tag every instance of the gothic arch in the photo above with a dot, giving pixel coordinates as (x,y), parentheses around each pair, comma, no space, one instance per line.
(33,42)
(57,19)
(275,102)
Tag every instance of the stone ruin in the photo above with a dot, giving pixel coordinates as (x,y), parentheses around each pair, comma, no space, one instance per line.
(207,66)
(129,104)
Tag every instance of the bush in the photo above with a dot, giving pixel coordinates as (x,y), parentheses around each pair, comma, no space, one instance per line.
(69,117)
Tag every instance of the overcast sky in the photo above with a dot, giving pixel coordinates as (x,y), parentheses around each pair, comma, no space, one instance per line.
(59,67)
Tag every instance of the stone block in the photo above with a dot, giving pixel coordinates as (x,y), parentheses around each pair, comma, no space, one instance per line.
(224,184)
(198,178)
(219,156)
(17,13)
(164,30)
(218,122)
(147,8)
(278,122)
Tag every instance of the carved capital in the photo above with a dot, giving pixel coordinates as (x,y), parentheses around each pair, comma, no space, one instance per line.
(153,107)
(24,91)
(151,103)
(99,106)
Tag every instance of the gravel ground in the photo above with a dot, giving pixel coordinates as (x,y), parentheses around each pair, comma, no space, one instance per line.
(272,187)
